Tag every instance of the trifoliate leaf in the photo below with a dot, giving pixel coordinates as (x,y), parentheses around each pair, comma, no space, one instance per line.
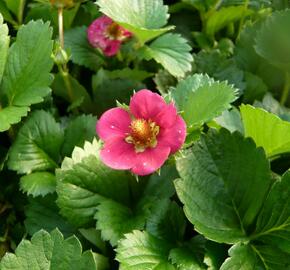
(267,130)
(81,52)
(144,17)
(4,45)
(172,52)
(42,213)
(38,183)
(200,98)
(273,41)
(49,251)
(26,77)
(142,251)
(224,181)
(221,18)
(37,145)
(83,182)
(273,224)
(79,130)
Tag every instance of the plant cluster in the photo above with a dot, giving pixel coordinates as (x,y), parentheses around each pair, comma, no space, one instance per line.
(144,134)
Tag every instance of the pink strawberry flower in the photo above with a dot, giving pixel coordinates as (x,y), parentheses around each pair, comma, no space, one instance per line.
(142,138)
(107,35)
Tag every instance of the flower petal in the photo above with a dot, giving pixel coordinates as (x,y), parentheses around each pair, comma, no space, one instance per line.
(112,47)
(118,154)
(150,160)
(174,136)
(114,122)
(167,117)
(146,104)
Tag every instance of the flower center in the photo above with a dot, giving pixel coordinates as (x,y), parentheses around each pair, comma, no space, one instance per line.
(114,31)
(143,134)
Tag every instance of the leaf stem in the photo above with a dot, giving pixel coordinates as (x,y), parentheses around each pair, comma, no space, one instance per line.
(286,89)
(243,18)
(60,27)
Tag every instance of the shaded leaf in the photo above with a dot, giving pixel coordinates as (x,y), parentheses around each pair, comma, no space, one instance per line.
(81,51)
(37,145)
(224,182)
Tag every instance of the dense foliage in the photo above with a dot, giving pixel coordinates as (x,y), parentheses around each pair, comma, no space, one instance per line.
(221,202)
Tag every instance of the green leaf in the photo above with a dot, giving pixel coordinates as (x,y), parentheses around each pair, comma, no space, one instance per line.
(107,90)
(144,17)
(201,99)
(37,145)
(248,59)
(11,115)
(255,88)
(224,181)
(51,252)
(256,257)
(29,62)
(72,91)
(83,182)
(42,213)
(190,255)
(142,251)
(115,219)
(79,130)
(231,120)
(127,73)
(4,45)
(172,52)
(168,222)
(273,224)
(39,183)
(82,53)
(272,41)
(266,129)
(224,16)
(242,257)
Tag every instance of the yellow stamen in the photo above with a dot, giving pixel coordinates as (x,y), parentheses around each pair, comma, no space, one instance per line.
(114,31)
(143,134)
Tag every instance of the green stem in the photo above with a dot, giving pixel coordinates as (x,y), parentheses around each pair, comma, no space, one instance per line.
(286,89)
(60,27)
(243,18)
(67,82)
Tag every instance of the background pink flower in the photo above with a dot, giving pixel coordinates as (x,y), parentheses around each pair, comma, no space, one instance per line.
(107,35)
(141,140)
